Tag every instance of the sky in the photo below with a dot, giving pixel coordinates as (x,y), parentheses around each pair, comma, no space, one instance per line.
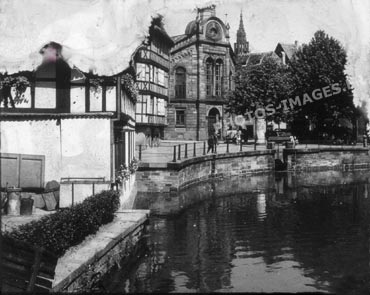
(101,35)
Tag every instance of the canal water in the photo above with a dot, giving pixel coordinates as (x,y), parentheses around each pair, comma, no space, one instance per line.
(304,232)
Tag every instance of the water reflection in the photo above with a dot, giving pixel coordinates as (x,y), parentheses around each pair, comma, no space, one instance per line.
(284,233)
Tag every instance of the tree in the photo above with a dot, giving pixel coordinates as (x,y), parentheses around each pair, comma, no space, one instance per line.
(317,65)
(262,87)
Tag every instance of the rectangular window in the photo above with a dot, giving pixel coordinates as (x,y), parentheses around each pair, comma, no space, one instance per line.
(140,70)
(218,79)
(209,79)
(156,77)
(151,73)
(147,73)
(154,105)
(139,107)
(161,77)
(161,107)
(180,118)
(180,83)
(149,108)
(146,100)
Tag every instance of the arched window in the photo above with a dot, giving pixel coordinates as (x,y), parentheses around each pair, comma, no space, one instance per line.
(209,74)
(218,77)
(180,83)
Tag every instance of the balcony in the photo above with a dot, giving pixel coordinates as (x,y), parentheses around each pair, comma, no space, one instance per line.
(149,86)
(149,55)
(151,120)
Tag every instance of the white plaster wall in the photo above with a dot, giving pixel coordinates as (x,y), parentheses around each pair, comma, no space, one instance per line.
(35,138)
(111,99)
(75,148)
(96,99)
(77,99)
(86,148)
(45,95)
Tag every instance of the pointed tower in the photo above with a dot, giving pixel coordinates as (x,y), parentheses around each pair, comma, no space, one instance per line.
(241,47)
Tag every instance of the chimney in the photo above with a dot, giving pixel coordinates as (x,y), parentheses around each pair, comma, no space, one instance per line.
(51,52)
(283,57)
(296,44)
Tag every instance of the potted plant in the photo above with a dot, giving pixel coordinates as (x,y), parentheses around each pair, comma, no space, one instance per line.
(134,165)
(122,174)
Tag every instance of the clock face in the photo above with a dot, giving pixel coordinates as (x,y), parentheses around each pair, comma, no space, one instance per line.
(213,31)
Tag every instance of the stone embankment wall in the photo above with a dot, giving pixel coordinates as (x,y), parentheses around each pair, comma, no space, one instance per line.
(116,243)
(174,176)
(341,158)
(172,203)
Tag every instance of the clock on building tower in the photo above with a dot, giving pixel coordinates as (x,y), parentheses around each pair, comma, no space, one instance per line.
(213,31)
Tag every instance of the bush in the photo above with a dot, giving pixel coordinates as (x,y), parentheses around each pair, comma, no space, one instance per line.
(69,227)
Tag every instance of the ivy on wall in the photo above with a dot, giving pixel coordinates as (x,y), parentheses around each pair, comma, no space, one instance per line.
(129,86)
(20,84)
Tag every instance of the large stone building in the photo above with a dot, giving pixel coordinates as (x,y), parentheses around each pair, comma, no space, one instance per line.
(201,70)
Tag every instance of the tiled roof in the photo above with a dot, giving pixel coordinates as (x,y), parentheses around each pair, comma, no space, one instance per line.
(178,37)
(289,49)
(163,32)
(49,116)
(253,59)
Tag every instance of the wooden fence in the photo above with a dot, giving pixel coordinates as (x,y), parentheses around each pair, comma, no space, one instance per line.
(25,267)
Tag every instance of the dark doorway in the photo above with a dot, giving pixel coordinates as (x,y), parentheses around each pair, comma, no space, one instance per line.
(213,117)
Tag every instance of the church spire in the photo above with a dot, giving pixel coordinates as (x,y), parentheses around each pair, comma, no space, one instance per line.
(241,25)
(241,47)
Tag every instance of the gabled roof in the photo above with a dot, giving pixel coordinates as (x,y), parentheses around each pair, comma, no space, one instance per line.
(161,31)
(289,49)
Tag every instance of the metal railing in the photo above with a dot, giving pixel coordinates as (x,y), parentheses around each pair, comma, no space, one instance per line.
(73,181)
(172,152)
(183,151)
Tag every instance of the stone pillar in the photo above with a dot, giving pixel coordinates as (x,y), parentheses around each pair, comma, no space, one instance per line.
(261,130)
